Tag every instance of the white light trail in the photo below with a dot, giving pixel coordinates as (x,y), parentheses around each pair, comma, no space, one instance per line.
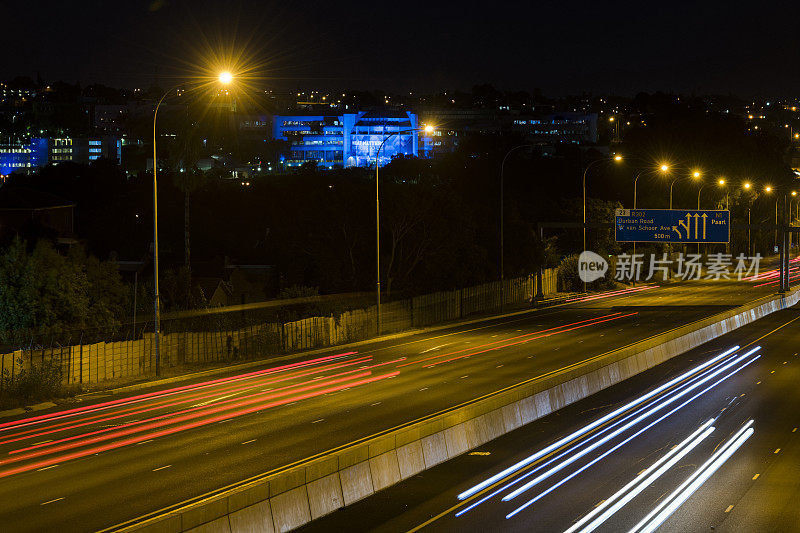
(541,453)
(621,498)
(630,424)
(567,451)
(657,516)
(597,459)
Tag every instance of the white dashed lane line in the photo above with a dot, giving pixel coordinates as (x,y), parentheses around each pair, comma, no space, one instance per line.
(161,468)
(51,501)
(249,441)
(317,421)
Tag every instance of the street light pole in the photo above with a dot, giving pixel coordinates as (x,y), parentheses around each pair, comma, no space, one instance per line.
(224,78)
(378,223)
(156,298)
(747,186)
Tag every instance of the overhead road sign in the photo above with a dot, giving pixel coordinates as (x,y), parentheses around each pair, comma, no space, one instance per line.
(672,225)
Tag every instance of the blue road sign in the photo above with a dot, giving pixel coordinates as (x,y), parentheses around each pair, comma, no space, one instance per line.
(671,225)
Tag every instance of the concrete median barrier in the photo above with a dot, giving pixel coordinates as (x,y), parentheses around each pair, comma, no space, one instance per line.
(289,497)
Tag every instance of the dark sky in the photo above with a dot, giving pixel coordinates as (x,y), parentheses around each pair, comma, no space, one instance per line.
(559,46)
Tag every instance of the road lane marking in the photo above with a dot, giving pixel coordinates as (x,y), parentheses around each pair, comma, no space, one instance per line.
(758,383)
(756,477)
(143,442)
(161,468)
(480,453)
(435,348)
(772,372)
(249,441)
(214,400)
(795,429)
(43,442)
(462,377)
(499,366)
(728,510)
(52,501)
(317,421)
(601,502)
(374,404)
(423,388)
(777,451)
(46,468)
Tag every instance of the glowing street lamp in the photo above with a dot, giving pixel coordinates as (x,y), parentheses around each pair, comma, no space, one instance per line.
(721,183)
(225,77)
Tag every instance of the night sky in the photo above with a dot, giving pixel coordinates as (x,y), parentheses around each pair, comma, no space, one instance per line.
(561,47)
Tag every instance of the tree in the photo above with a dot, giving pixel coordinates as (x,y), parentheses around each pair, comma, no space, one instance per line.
(44,291)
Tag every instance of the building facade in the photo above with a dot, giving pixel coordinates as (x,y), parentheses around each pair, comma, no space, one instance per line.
(41,151)
(348,139)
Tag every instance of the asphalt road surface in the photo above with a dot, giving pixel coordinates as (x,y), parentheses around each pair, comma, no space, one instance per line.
(112,458)
(615,478)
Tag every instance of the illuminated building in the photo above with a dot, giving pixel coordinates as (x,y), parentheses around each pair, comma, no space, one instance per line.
(23,157)
(85,149)
(41,151)
(349,139)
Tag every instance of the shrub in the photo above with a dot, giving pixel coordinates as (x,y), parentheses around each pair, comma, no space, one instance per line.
(38,382)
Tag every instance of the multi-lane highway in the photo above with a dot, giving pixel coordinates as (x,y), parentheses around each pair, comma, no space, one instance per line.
(111,458)
(707,441)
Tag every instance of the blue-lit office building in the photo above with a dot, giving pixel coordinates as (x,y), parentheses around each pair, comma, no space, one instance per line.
(23,157)
(41,151)
(349,139)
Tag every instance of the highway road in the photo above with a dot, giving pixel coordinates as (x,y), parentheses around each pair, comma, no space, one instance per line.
(707,441)
(111,458)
